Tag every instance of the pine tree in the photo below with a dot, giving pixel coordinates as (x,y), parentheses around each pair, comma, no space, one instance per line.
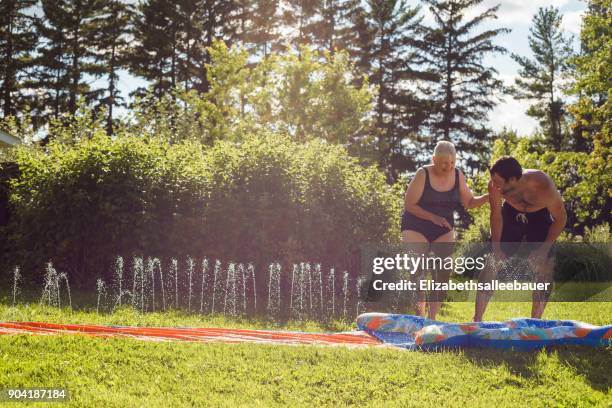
(113,44)
(541,78)
(299,21)
(155,54)
(66,57)
(386,56)
(18,40)
(171,42)
(461,93)
(254,25)
(332,27)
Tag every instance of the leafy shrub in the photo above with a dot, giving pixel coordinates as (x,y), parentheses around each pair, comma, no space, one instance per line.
(263,199)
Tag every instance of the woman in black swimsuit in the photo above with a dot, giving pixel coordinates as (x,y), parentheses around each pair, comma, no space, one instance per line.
(432,196)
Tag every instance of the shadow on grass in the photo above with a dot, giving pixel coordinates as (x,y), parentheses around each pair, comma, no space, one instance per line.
(591,363)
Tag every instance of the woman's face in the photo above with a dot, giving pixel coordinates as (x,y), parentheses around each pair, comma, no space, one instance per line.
(444,164)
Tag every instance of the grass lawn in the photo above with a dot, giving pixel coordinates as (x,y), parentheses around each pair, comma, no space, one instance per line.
(122,372)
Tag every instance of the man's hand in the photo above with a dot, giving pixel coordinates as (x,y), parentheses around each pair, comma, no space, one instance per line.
(440,221)
(538,256)
(495,196)
(498,254)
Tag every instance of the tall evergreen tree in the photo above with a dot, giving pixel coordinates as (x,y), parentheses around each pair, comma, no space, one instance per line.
(217,25)
(18,40)
(333,26)
(66,56)
(541,78)
(462,91)
(299,21)
(154,56)
(113,44)
(594,74)
(171,39)
(386,56)
(254,25)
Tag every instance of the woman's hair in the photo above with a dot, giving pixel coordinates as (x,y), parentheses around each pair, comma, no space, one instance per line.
(444,148)
(507,167)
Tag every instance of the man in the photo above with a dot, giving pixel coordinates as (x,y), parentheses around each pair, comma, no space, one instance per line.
(533,211)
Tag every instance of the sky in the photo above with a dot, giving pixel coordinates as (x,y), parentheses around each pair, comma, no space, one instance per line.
(513,14)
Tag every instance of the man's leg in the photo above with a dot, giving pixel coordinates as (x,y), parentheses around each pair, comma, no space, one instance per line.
(544,274)
(488,274)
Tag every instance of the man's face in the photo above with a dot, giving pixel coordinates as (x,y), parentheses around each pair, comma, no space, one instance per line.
(503,185)
(444,163)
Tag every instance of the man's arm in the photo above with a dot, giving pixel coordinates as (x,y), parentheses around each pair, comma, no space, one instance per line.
(557,210)
(496,220)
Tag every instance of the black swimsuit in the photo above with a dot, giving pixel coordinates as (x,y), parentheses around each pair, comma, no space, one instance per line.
(436,202)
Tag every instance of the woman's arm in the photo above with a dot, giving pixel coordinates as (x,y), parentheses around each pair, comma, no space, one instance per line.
(412,197)
(468,200)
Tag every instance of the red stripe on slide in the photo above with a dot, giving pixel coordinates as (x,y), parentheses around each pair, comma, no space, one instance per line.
(193,334)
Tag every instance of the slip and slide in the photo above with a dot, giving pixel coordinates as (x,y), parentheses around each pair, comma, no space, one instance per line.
(374,330)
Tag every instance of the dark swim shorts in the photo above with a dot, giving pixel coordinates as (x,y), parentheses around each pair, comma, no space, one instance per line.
(523,226)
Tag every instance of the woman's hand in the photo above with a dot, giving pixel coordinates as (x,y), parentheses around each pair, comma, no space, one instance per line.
(440,221)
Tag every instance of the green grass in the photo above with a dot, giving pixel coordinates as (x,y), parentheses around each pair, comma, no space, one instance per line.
(122,372)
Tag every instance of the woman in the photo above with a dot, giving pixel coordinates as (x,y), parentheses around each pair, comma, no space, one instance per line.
(432,195)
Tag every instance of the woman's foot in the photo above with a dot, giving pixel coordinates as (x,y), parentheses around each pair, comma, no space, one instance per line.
(421,309)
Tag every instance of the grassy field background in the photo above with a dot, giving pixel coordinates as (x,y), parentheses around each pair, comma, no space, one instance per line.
(123,372)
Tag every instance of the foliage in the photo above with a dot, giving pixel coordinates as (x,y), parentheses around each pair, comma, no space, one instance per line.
(64,58)
(18,40)
(297,95)
(262,199)
(592,111)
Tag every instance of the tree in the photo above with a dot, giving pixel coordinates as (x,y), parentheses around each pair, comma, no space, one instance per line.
(171,40)
(387,33)
(18,40)
(113,45)
(66,56)
(155,55)
(462,91)
(333,26)
(592,110)
(541,78)
(254,25)
(299,19)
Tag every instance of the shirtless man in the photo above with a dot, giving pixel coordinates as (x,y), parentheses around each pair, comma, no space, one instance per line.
(533,211)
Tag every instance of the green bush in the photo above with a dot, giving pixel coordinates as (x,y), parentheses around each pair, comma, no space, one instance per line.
(263,199)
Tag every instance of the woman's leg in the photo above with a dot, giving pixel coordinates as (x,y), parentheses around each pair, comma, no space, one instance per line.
(418,243)
(442,247)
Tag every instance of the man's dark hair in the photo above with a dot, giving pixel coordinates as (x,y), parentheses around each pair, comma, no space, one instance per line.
(507,167)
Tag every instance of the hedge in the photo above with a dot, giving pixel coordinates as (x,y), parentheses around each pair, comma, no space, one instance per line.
(260,200)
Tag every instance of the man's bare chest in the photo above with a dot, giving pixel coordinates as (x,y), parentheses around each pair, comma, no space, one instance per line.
(524,201)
